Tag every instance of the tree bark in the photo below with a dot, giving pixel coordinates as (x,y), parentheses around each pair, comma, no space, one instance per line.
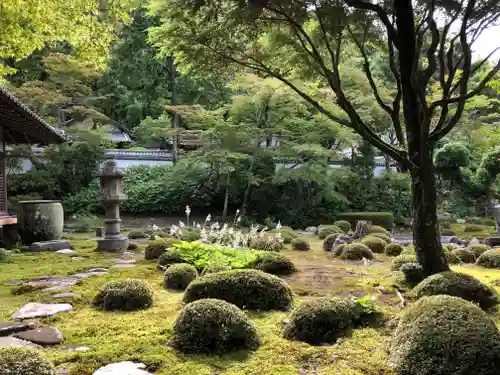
(426,236)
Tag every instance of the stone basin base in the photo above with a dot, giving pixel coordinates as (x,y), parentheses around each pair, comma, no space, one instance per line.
(112,244)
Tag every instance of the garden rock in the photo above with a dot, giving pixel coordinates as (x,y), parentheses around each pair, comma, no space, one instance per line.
(68,295)
(404,241)
(312,230)
(450,239)
(49,245)
(41,336)
(492,241)
(13,327)
(66,252)
(7,342)
(123,368)
(121,266)
(474,241)
(124,261)
(39,310)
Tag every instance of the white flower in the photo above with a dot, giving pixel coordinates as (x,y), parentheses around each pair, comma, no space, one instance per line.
(238,219)
(209,217)
(181,224)
(198,225)
(216,225)
(155,227)
(237,212)
(278,226)
(188,210)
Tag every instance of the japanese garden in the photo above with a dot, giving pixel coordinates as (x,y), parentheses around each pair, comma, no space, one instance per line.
(246,187)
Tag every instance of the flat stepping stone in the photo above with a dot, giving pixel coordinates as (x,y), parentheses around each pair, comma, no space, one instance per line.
(77,349)
(49,245)
(68,295)
(124,261)
(401,240)
(66,251)
(98,270)
(41,336)
(122,266)
(39,310)
(123,368)
(13,282)
(85,275)
(78,258)
(9,328)
(8,342)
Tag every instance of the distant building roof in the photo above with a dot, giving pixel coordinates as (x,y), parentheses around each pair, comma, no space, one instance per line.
(21,125)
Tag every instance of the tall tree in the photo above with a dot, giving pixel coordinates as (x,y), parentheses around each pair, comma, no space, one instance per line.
(86,26)
(308,38)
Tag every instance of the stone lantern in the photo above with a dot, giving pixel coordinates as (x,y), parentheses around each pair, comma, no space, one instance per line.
(112,194)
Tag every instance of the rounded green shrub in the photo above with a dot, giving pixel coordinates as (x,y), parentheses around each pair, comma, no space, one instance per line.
(178,276)
(249,289)
(329,241)
(300,245)
(321,320)
(398,261)
(472,228)
(339,249)
(356,251)
(266,243)
(191,234)
(383,236)
(451,257)
(375,244)
(464,255)
(155,249)
(158,234)
(214,268)
(19,361)
(458,285)
(478,249)
(212,326)
(168,258)
(378,229)
(448,232)
(136,235)
(445,335)
(325,230)
(3,255)
(274,263)
(393,249)
(287,233)
(488,222)
(344,225)
(489,259)
(413,273)
(125,295)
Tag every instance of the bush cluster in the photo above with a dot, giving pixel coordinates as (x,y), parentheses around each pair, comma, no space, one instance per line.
(413,273)
(125,295)
(339,249)
(356,251)
(326,230)
(478,249)
(178,276)
(300,245)
(250,289)
(329,241)
(489,259)
(375,244)
(344,225)
(382,236)
(321,320)
(136,235)
(191,234)
(379,229)
(212,326)
(287,233)
(155,249)
(214,268)
(266,243)
(458,285)
(464,255)
(445,335)
(274,263)
(383,219)
(451,257)
(19,361)
(168,258)
(398,261)
(393,249)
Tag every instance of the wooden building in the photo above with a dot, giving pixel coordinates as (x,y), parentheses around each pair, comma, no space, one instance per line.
(19,125)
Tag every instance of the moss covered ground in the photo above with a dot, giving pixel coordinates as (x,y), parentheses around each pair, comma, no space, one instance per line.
(143,336)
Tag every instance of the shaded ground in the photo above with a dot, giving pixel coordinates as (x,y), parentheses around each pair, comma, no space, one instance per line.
(144,335)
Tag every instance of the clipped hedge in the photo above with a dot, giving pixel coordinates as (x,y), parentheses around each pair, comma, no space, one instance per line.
(344,225)
(19,361)
(413,273)
(393,249)
(398,261)
(321,320)
(266,243)
(214,268)
(155,249)
(168,258)
(125,295)
(249,289)
(381,235)
(329,241)
(178,276)
(478,249)
(445,335)
(300,245)
(326,230)
(339,249)
(489,259)
(451,257)
(383,219)
(458,285)
(375,244)
(464,255)
(356,251)
(212,326)
(274,263)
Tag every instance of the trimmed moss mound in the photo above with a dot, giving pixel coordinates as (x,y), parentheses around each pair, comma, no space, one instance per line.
(300,245)
(321,320)
(375,244)
(168,258)
(19,361)
(249,289)
(155,249)
(393,249)
(325,230)
(343,224)
(178,276)
(451,257)
(214,268)
(274,263)
(356,251)
(445,335)
(125,295)
(398,261)
(212,326)
(478,249)
(383,236)
(489,259)
(379,229)
(458,285)
(266,243)
(464,255)
(329,241)
(413,273)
